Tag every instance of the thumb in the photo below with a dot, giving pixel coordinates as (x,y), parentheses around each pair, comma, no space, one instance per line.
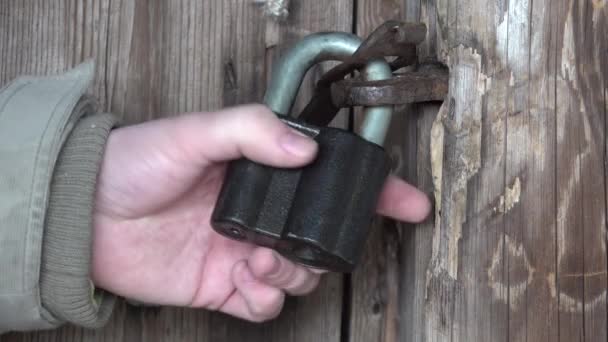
(251,131)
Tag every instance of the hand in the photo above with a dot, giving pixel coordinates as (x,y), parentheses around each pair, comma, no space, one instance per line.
(157,188)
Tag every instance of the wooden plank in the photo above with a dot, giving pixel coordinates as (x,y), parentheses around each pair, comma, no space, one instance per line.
(462,303)
(387,286)
(375,282)
(159,58)
(397,256)
(418,240)
(416,255)
(40,38)
(581,253)
(526,237)
(531,223)
(421,318)
(533,209)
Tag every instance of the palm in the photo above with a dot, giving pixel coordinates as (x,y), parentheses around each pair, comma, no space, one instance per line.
(157,188)
(160,204)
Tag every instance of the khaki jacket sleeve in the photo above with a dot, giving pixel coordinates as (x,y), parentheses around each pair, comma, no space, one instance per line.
(51,145)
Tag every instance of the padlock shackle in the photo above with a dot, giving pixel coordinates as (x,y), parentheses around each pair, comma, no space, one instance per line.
(377,118)
(289,72)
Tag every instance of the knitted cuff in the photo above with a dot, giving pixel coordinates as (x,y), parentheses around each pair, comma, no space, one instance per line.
(66,289)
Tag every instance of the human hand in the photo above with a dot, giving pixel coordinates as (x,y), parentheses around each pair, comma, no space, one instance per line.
(156,191)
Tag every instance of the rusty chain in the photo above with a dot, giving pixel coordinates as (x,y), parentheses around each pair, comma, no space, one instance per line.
(427,82)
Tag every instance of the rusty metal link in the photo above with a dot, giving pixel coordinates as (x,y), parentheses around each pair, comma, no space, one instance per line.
(391,39)
(427,83)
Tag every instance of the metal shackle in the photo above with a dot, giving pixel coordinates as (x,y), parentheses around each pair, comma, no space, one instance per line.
(287,77)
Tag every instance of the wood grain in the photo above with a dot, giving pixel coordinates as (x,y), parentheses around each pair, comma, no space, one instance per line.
(531,122)
(498,278)
(159,58)
(581,253)
(533,209)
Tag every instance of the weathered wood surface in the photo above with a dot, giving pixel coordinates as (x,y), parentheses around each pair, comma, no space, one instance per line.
(516,157)
(157,58)
(517,153)
(520,251)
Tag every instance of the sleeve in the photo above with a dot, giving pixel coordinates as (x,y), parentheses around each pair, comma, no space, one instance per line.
(51,146)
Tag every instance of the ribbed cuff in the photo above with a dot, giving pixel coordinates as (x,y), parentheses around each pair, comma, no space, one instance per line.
(66,289)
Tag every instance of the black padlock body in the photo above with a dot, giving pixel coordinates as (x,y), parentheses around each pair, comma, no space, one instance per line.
(318,215)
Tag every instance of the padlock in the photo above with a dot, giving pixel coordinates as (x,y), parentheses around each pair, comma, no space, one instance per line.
(318,215)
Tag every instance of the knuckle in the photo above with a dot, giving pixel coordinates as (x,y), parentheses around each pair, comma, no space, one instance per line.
(268,307)
(264,263)
(257,112)
(253,118)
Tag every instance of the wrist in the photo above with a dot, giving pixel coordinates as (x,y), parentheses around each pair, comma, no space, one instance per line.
(65,276)
(99,268)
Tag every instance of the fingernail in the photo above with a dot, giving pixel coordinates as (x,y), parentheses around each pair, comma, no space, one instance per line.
(297,144)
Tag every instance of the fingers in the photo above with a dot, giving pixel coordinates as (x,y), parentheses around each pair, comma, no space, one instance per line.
(272,269)
(253,300)
(261,283)
(252,131)
(403,201)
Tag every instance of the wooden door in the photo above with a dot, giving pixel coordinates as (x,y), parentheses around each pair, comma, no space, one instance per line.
(515,158)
